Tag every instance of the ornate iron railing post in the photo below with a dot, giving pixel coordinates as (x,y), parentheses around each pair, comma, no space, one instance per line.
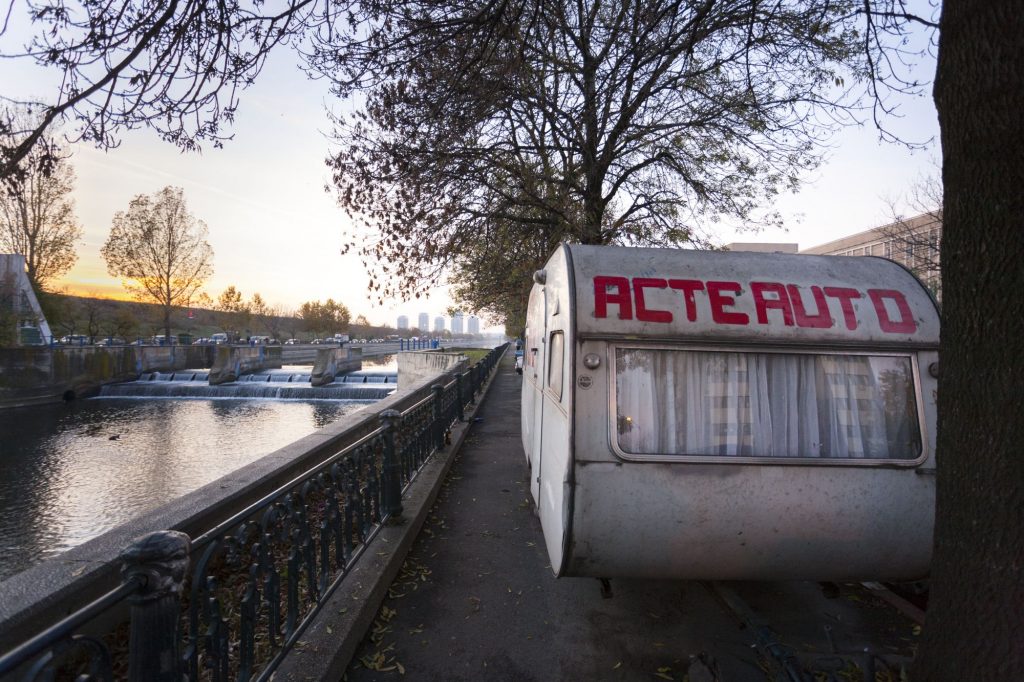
(437,413)
(392,485)
(460,379)
(161,559)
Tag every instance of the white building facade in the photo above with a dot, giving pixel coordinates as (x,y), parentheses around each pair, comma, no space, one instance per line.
(914,243)
(19,300)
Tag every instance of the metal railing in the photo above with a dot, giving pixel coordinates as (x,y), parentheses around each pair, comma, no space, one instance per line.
(419,344)
(258,578)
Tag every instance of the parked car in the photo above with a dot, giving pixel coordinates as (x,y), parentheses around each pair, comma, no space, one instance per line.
(75,340)
(291,342)
(219,338)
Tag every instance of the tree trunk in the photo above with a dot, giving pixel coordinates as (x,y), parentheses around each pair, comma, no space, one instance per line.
(593,216)
(167,325)
(975,628)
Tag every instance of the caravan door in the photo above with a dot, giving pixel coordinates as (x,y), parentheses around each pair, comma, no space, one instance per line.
(533,384)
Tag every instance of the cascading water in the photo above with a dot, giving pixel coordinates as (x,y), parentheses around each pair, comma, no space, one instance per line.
(272,384)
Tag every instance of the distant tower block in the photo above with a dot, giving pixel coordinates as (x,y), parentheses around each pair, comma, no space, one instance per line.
(424,322)
(457,323)
(438,324)
(403,321)
(474,324)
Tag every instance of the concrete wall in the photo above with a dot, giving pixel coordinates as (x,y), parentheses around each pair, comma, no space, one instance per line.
(414,367)
(330,362)
(35,375)
(232,362)
(172,358)
(299,355)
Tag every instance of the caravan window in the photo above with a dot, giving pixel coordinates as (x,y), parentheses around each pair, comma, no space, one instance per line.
(713,403)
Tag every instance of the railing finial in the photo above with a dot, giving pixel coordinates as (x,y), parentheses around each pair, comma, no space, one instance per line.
(161,560)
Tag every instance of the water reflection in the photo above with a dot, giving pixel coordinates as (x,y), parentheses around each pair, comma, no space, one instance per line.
(71,472)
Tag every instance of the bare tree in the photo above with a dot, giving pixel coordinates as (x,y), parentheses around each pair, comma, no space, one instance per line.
(93,314)
(276,320)
(37,213)
(176,67)
(121,323)
(159,250)
(915,239)
(10,310)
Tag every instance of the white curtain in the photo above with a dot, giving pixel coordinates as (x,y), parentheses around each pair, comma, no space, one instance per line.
(765,404)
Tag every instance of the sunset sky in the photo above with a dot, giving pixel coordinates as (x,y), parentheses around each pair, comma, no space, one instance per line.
(275,229)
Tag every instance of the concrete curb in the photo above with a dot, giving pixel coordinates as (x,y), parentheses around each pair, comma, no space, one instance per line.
(331,640)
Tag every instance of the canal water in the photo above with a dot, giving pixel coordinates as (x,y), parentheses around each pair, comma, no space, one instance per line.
(69,473)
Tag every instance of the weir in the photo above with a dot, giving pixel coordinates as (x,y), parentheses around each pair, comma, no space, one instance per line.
(331,362)
(273,384)
(232,362)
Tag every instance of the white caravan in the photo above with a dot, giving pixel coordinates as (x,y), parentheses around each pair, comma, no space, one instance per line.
(716,415)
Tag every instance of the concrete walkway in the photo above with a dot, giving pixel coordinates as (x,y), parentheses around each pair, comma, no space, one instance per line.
(476,599)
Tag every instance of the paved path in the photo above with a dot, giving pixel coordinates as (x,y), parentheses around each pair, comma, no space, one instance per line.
(476,599)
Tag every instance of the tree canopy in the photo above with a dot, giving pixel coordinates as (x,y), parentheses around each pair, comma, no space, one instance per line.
(629,122)
(634,123)
(330,316)
(159,250)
